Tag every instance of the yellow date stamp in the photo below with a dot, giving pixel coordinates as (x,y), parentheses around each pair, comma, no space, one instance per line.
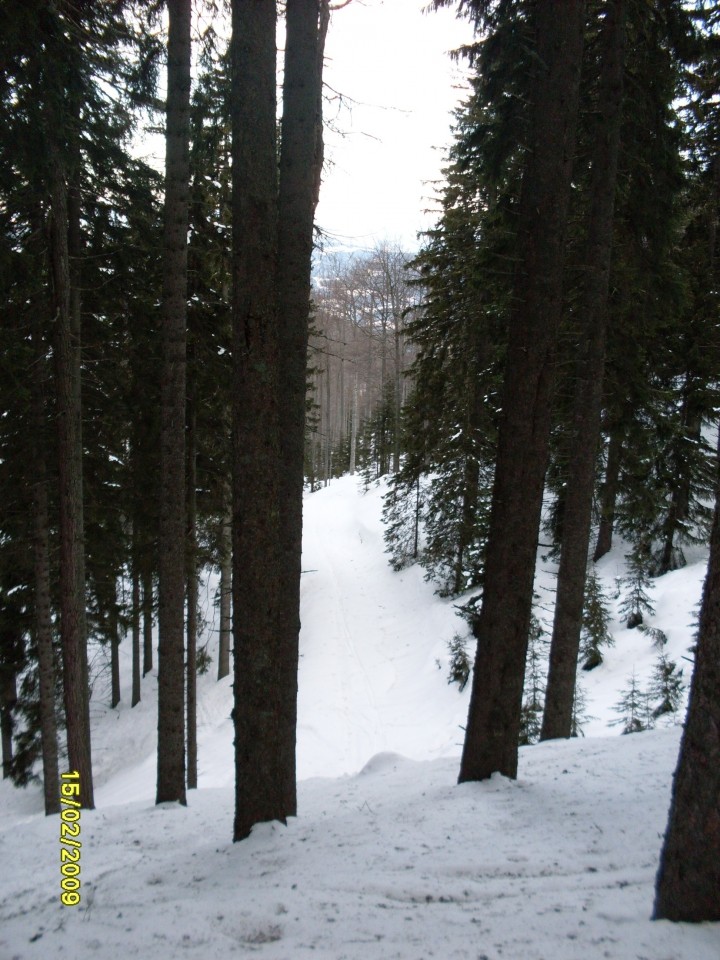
(70,843)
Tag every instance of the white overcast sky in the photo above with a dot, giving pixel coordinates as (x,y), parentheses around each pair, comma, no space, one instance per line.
(391,61)
(385,142)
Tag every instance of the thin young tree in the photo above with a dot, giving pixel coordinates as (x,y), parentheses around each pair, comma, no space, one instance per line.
(502,627)
(171,648)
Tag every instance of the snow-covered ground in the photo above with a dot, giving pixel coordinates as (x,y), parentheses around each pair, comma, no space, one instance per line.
(388,857)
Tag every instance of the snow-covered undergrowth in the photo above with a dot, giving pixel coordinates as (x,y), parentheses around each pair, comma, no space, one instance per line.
(388,857)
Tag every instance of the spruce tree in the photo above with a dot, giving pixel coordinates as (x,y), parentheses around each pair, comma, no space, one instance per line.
(636,603)
(460,666)
(268,420)
(459,333)
(171,650)
(503,624)
(62,61)
(642,421)
(65,243)
(633,708)
(582,436)
(535,685)
(666,687)
(595,624)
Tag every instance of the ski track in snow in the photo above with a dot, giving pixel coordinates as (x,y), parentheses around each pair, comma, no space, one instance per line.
(374,635)
(388,858)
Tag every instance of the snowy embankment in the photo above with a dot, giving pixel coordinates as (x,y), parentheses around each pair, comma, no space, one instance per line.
(394,861)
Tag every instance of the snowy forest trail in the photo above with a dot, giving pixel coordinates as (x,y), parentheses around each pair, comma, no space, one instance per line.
(369,639)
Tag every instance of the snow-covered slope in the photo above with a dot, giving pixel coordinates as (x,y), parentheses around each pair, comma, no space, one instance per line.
(387,858)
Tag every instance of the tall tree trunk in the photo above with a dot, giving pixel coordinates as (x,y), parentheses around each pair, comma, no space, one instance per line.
(271,273)
(146,578)
(8,701)
(327,432)
(225,591)
(300,168)
(138,549)
(135,621)
(44,640)
(114,657)
(397,398)
(491,739)
(69,421)
(608,495)
(584,436)
(261,779)
(41,576)
(354,428)
(192,595)
(171,660)
(688,880)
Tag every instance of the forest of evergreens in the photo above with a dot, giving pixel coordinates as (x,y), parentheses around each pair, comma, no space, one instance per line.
(175,373)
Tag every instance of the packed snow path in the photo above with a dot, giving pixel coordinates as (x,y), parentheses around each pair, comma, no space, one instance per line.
(370,644)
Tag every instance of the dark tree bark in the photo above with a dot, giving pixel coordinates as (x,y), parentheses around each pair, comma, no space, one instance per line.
(69,422)
(688,880)
(8,701)
(608,495)
(261,781)
(146,577)
(41,576)
(135,623)
(271,297)
(491,739)
(300,168)
(114,658)
(171,660)
(192,595)
(44,640)
(225,592)
(137,562)
(584,435)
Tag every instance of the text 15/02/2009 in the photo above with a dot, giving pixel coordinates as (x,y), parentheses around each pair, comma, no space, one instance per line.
(70,845)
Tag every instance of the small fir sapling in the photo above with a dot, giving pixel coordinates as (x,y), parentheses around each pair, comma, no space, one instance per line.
(534,693)
(530,721)
(203,660)
(595,624)
(580,716)
(636,603)
(633,708)
(403,509)
(666,688)
(460,665)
